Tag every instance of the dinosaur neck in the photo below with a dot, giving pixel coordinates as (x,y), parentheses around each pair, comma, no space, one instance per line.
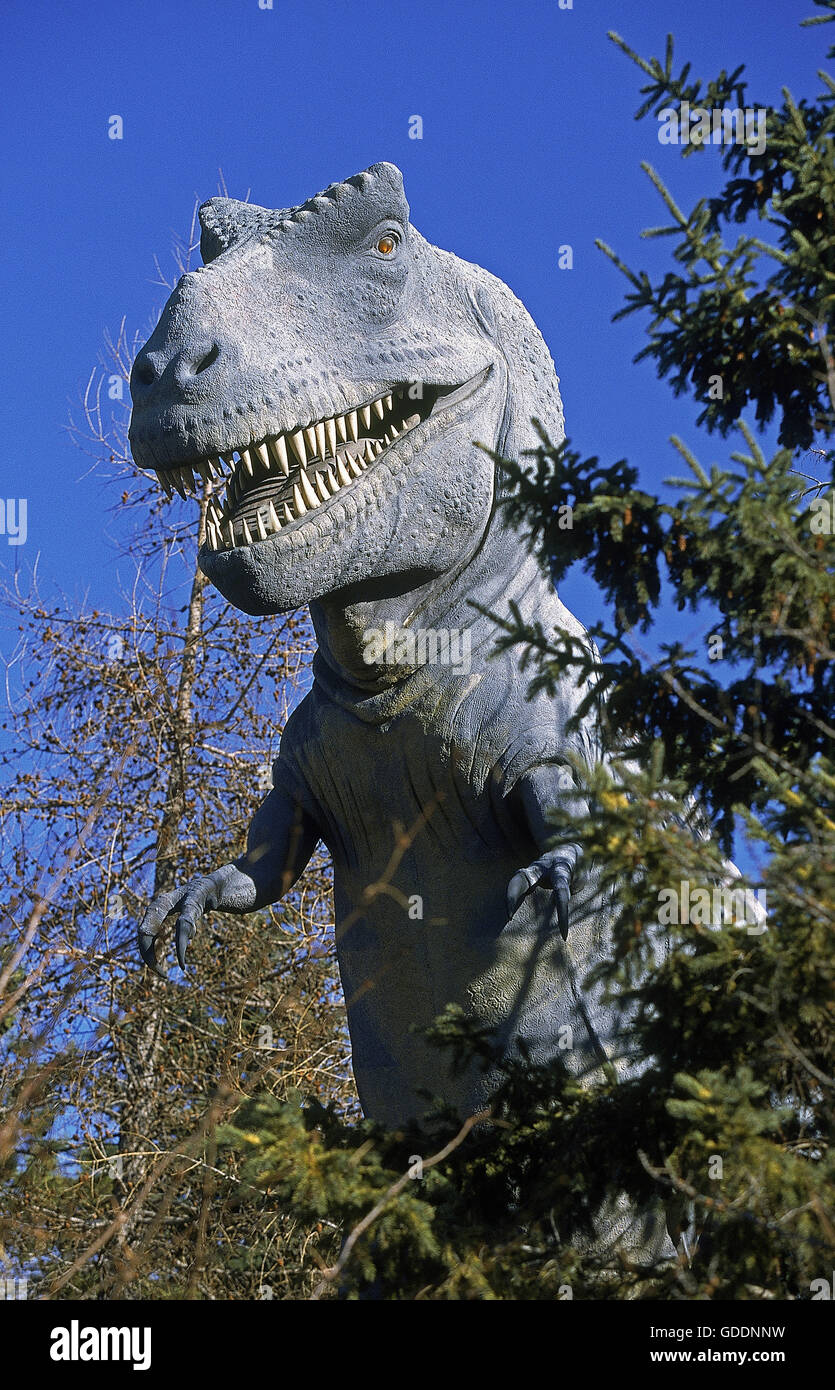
(497,571)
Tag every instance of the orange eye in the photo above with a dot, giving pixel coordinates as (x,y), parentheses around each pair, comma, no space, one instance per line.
(386,245)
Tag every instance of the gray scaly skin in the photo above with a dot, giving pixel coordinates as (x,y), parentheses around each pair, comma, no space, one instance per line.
(299,318)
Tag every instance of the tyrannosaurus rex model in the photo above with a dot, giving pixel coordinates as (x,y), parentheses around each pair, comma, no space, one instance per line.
(341,367)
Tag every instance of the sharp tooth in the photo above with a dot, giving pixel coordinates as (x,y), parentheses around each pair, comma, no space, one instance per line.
(342,471)
(393,430)
(177,480)
(365,415)
(330,431)
(372,450)
(354,466)
(163,484)
(202,470)
(333,482)
(387,402)
(215,467)
(259,521)
(386,439)
(310,440)
(340,425)
(322,488)
(247,532)
(378,409)
(274,517)
(246,461)
(278,449)
(261,452)
(211,535)
(321,444)
(307,491)
(298,501)
(288,515)
(297,441)
(352,424)
(230,532)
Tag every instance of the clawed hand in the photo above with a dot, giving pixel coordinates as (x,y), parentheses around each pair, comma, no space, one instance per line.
(227,888)
(554,871)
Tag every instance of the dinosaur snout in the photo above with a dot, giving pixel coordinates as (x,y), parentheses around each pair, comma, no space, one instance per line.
(180,376)
(178,380)
(162,377)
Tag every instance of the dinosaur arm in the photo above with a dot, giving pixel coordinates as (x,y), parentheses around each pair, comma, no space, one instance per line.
(280,841)
(535,794)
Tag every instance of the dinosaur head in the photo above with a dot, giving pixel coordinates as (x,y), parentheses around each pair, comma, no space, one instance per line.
(329,370)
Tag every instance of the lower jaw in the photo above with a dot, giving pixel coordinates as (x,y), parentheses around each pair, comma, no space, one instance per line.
(280,503)
(349,546)
(334,548)
(277,505)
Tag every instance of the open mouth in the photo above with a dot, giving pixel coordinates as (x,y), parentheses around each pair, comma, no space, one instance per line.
(280,479)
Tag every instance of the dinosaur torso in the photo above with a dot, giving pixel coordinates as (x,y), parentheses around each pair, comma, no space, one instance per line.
(410,767)
(413,789)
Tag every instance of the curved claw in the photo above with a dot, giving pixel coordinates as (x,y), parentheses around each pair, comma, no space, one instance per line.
(183,937)
(151,926)
(562,891)
(199,896)
(148,951)
(553,872)
(519,887)
(186,922)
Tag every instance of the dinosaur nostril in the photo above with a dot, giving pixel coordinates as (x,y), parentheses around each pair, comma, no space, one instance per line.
(144,372)
(207,361)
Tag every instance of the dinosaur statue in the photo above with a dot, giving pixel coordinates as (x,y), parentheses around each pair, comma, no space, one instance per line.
(340,367)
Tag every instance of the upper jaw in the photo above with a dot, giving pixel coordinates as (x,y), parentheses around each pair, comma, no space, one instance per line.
(272,484)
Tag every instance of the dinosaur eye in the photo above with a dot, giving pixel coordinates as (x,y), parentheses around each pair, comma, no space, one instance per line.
(386,245)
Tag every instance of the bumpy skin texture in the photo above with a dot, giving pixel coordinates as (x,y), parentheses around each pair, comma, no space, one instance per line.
(296,316)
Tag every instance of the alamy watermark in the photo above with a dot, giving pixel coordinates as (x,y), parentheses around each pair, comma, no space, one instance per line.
(722,125)
(822,515)
(717,906)
(79,1343)
(13,519)
(15,1288)
(422,646)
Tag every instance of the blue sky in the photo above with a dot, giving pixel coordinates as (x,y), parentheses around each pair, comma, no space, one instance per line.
(528,143)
